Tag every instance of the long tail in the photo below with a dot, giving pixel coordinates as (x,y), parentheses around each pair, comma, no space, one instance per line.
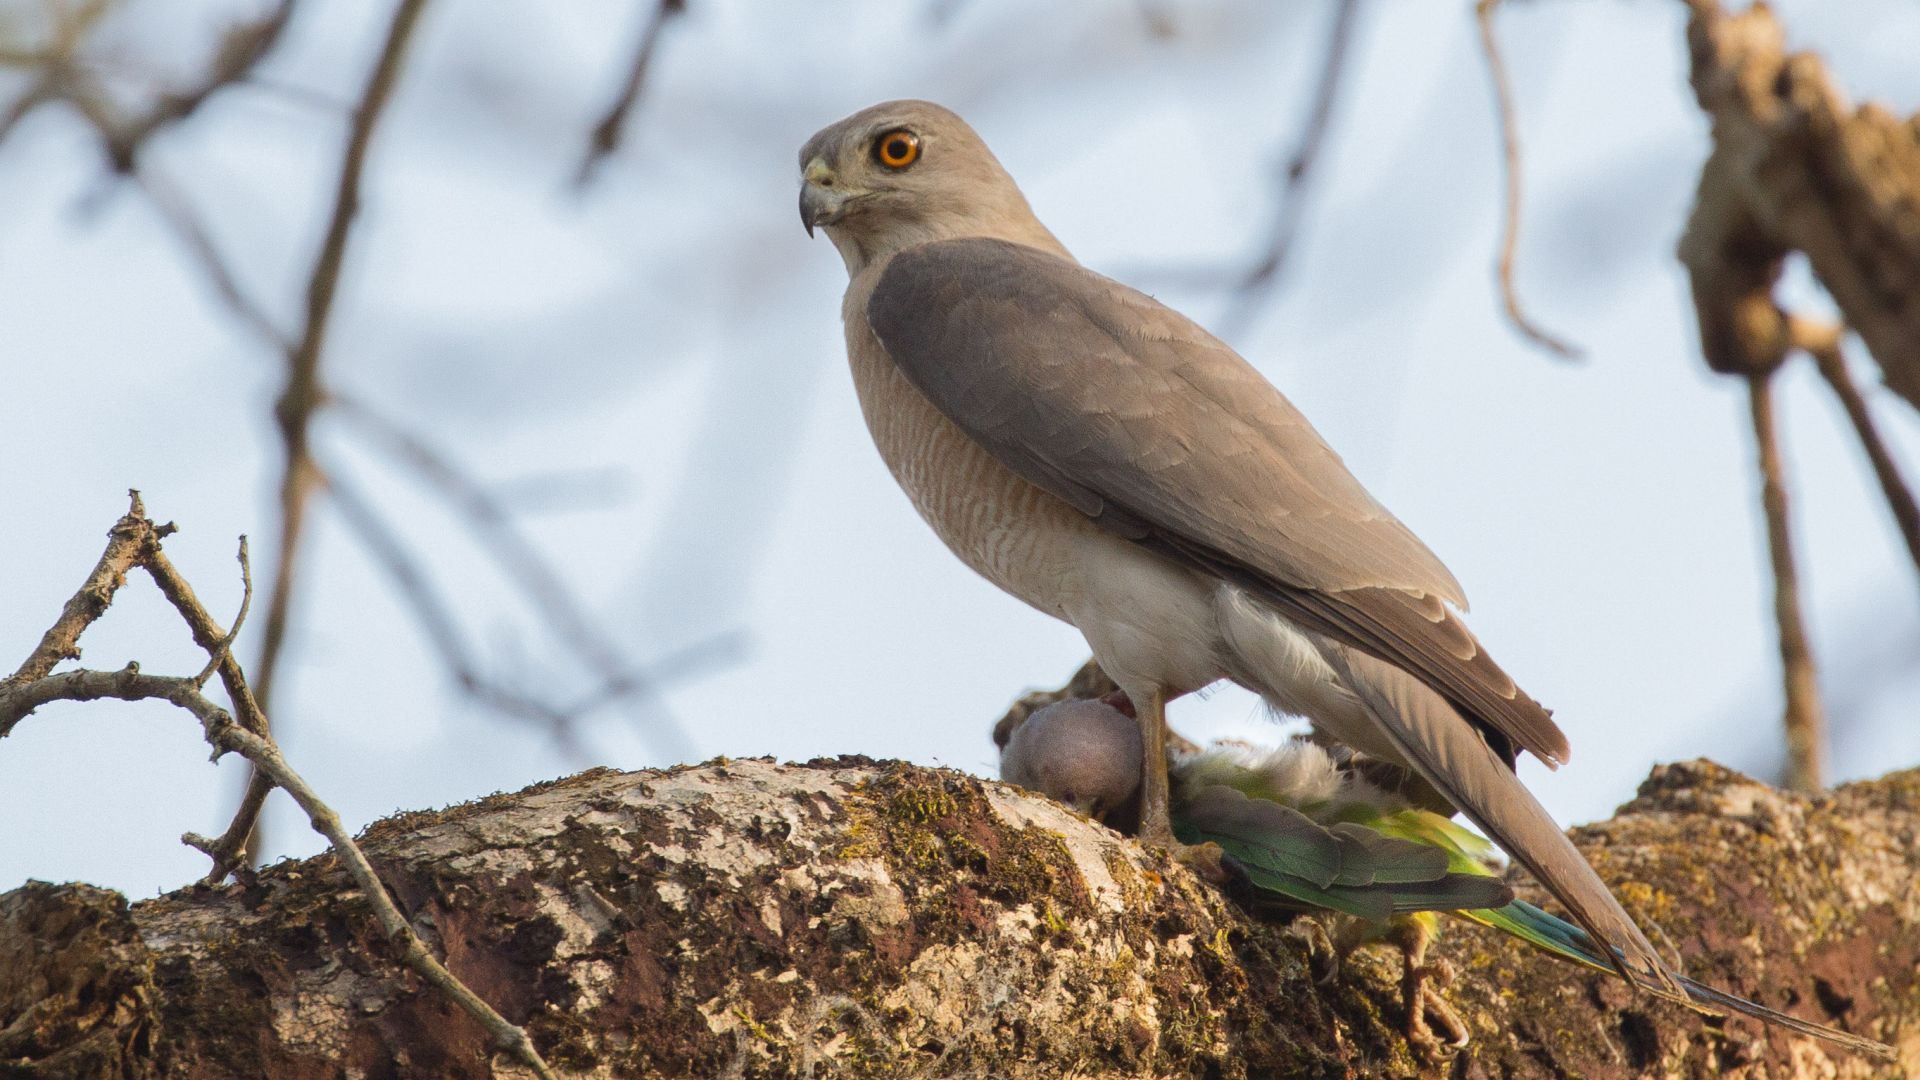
(1444,748)
(1555,935)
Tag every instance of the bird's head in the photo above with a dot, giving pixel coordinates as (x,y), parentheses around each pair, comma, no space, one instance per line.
(1083,753)
(907,172)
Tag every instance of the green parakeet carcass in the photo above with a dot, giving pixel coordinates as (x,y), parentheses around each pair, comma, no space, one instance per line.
(1301,831)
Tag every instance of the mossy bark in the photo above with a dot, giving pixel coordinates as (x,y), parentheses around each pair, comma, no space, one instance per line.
(859,918)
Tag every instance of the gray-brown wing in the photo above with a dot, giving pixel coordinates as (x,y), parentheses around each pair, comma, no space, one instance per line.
(1147,423)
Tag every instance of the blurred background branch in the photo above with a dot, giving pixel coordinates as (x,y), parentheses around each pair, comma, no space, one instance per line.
(605,139)
(1295,182)
(1508,115)
(1795,169)
(556,415)
(63,74)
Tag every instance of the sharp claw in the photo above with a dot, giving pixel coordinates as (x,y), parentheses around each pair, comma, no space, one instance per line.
(1420,986)
(1426,1002)
(1203,859)
(1324,959)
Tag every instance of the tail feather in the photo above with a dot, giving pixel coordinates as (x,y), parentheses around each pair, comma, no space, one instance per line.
(1563,939)
(1710,998)
(1439,744)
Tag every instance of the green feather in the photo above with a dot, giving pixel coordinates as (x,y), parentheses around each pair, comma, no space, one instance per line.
(1347,849)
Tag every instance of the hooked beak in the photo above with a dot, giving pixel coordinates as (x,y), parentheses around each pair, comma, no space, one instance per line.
(822,201)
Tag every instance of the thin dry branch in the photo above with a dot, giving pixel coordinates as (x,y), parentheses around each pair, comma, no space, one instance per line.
(127,684)
(1510,158)
(237,842)
(179,215)
(606,134)
(1296,183)
(1822,342)
(125,544)
(523,564)
(304,391)
(436,619)
(20,697)
(1806,751)
(218,658)
(241,50)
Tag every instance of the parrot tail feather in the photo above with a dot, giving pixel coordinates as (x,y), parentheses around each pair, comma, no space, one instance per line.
(1563,939)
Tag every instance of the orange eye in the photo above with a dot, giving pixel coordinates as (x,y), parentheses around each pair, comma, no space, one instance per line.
(897,149)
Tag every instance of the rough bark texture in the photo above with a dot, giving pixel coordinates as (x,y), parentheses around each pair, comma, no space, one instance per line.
(858,918)
(1798,167)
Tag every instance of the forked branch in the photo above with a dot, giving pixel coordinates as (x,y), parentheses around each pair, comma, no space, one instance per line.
(133,542)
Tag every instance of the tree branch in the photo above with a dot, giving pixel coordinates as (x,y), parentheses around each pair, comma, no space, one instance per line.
(606,134)
(1817,175)
(1510,158)
(1823,343)
(304,391)
(852,918)
(20,697)
(1296,182)
(1806,749)
(126,543)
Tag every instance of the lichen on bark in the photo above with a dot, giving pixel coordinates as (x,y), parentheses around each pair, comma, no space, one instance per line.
(856,918)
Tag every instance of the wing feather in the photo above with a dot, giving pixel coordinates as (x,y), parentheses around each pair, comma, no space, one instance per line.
(1149,425)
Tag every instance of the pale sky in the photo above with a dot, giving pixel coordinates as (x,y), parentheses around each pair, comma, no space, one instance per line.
(673,336)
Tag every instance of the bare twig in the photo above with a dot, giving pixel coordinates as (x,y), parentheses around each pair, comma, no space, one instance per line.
(266,757)
(125,543)
(219,655)
(1806,751)
(238,841)
(128,684)
(1258,283)
(522,563)
(241,50)
(436,617)
(304,391)
(179,214)
(1510,156)
(1822,342)
(64,75)
(20,697)
(606,134)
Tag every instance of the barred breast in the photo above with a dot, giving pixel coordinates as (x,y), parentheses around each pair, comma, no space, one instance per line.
(1009,531)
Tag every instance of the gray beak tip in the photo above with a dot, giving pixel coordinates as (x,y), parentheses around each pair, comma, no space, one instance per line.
(821,206)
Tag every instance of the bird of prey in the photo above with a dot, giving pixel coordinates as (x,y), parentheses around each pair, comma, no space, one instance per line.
(1106,460)
(1300,832)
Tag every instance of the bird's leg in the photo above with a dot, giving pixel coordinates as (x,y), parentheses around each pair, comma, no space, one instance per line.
(1420,985)
(1156,826)
(1176,742)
